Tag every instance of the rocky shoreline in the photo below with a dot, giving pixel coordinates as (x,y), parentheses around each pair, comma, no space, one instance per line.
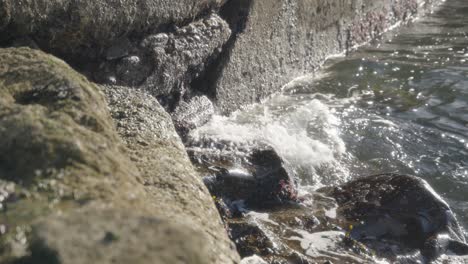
(97,99)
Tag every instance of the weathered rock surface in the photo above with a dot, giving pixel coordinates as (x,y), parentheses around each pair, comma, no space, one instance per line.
(89,28)
(276,41)
(100,235)
(397,214)
(192,114)
(168,176)
(67,178)
(296,233)
(164,64)
(264,179)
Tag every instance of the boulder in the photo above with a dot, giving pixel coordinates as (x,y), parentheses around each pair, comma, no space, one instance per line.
(276,41)
(69,183)
(165,64)
(87,29)
(167,173)
(399,214)
(58,147)
(101,235)
(264,179)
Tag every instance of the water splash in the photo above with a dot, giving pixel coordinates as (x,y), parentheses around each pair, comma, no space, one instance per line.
(305,133)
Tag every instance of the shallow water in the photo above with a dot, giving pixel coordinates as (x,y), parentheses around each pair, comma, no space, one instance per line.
(400,106)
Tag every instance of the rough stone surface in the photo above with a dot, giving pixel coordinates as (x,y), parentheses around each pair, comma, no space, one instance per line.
(276,41)
(168,176)
(100,235)
(394,214)
(164,64)
(190,115)
(89,28)
(57,145)
(264,179)
(66,175)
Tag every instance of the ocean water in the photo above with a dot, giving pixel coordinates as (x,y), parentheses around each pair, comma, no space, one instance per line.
(398,106)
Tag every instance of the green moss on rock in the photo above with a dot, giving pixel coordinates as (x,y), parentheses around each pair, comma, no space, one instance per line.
(74,193)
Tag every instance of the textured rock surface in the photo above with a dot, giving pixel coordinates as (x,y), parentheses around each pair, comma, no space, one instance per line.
(192,114)
(89,28)
(168,176)
(100,235)
(67,178)
(398,214)
(164,64)
(276,41)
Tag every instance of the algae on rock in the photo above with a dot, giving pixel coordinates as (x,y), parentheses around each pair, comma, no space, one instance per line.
(70,187)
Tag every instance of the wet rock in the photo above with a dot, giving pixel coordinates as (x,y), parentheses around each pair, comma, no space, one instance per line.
(398,214)
(288,234)
(87,29)
(274,177)
(265,179)
(167,173)
(190,115)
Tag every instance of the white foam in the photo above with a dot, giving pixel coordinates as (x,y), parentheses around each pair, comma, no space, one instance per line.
(253,260)
(305,135)
(331,213)
(264,217)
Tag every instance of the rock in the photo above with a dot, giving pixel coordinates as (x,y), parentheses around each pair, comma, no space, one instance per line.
(276,41)
(190,115)
(66,175)
(168,176)
(275,179)
(57,145)
(87,29)
(264,179)
(398,214)
(120,49)
(180,57)
(100,235)
(293,234)
(165,64)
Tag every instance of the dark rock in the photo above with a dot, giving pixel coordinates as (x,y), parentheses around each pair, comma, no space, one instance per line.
(275,179)
(265,179)
(121,48)
(284,235)
(397,214)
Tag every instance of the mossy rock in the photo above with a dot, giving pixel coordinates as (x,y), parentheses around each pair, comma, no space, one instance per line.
(57,145)
(74,193)
(100,235)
